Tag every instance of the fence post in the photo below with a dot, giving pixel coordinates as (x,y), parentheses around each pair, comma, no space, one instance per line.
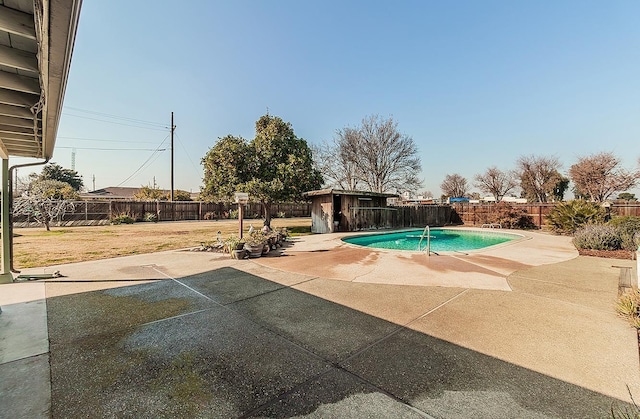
(540,216)
(110,210)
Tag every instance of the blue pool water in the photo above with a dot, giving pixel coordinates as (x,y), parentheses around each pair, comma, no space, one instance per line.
(442,240)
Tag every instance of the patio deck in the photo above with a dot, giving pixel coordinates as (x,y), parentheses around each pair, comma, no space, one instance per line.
(322,330)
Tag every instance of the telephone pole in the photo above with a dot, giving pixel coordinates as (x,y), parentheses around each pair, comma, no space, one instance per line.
(173,128)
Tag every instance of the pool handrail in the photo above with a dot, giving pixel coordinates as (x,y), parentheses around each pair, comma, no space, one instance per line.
(427,230)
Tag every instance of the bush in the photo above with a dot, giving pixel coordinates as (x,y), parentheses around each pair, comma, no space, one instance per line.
(123,218)
(629,229)
(567,217)
(233,214)
(597,237)
(509,216)
(150,217)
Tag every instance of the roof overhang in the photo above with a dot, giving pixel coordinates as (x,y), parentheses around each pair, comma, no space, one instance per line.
(36,45)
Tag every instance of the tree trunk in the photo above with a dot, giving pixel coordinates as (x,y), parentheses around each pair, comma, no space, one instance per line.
(266,207)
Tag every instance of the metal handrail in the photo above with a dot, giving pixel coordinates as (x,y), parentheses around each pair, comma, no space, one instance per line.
(427,230)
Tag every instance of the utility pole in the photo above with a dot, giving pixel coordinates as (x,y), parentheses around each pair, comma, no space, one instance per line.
(93,178)
(173,128)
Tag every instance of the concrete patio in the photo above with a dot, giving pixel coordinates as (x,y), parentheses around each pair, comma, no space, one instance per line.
(321,329)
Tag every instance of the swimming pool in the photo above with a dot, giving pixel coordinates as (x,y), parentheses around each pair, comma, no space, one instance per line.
(442,240)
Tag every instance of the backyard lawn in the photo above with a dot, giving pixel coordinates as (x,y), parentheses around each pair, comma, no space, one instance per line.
(34,247)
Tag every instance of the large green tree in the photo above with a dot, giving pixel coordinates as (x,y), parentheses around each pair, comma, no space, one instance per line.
(53,171)
(276,166)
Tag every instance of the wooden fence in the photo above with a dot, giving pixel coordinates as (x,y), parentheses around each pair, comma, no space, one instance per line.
(101,212)
(423,215)
(478,214)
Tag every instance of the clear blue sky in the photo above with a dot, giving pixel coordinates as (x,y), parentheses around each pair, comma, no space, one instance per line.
(475,83)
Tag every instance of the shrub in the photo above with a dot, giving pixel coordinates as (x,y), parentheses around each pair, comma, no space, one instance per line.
(150,217)
(628,228)
(567,217)
(628,306)
(233,214)
(123,218)
(281,214)
(509,216)
(597,237)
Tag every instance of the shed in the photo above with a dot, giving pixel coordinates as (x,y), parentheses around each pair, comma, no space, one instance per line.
(334,210)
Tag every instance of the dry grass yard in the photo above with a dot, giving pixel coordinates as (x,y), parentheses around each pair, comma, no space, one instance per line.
(34,247)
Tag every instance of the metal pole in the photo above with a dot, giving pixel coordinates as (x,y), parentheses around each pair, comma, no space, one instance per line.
(173,128)
(240,215)
(5,275)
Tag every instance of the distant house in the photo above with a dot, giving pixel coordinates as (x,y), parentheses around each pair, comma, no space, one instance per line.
(115,193)
(112,193)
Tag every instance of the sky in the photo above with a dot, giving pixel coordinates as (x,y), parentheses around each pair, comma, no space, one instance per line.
(474,83)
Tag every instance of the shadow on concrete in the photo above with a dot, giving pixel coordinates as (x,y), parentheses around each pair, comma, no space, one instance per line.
(226,343)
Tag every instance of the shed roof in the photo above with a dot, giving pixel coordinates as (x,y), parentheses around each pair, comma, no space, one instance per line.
(332,191)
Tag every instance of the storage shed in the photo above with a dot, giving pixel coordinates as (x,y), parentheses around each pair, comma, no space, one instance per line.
(334,210)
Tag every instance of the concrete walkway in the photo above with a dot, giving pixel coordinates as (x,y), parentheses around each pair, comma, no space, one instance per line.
(193,334)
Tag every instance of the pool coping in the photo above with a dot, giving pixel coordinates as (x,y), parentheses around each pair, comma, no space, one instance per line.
(441,252)
(487,268)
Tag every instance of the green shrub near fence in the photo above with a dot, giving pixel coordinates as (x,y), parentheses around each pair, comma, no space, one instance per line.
(629,230)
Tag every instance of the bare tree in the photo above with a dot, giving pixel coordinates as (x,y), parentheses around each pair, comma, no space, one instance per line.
(454,186)
(539,177)
(496,182)
(45,201)
(599,176)
(332,161)
(384,159)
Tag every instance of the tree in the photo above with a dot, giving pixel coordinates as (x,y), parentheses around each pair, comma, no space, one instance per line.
(276,166)
(333,162)
(599,176)
(53,171)
(150,193)
(454,186)
(374,156)
(226,167)
(560,189)
(626,196)
(179,195)
(496,182)
(45,201)
(539,177)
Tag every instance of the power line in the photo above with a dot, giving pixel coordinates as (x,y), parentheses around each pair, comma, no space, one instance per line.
(105,140)
(124,118)
(155,153)
(114,149)
(117,123)
(187,153)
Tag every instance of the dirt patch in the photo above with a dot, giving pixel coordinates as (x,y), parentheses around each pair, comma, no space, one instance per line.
(611,254)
